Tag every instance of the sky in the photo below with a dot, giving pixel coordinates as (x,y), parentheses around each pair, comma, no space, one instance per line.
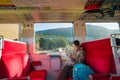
(46,26)
(111,26)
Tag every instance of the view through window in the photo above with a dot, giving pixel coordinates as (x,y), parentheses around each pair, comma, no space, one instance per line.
(53,37)
(101,30)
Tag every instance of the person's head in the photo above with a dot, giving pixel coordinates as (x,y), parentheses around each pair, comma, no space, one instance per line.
(76,44)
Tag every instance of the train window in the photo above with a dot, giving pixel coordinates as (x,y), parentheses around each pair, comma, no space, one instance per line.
(53,37)
(101,30)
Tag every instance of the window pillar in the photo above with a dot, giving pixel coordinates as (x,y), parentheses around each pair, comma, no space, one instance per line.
(27,35)
(80,30)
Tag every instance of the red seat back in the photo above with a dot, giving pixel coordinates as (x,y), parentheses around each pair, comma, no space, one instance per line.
(12,66)
(15,59)
(99,55)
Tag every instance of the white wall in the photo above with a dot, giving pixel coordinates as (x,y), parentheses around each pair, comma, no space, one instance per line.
(9,31)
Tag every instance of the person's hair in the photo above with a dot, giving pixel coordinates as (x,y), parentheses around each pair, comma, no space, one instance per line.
(76,42)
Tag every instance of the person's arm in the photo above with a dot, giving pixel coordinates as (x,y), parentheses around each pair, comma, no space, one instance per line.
(73,57)
(81,56)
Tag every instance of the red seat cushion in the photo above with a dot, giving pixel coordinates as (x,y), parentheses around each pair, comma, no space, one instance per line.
(69,78)
(41,74)
(12,64)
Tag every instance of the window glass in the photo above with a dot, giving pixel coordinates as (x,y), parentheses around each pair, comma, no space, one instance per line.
(53,37)
(101,30)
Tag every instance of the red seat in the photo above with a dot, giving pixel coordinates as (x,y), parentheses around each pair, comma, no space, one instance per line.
(99,57)
(69,78)
(15,62)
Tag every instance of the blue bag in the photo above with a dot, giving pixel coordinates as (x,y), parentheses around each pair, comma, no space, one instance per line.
(81,72)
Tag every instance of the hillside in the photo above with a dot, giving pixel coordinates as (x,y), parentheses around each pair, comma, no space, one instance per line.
(65,32)
(98,31)
(92,31)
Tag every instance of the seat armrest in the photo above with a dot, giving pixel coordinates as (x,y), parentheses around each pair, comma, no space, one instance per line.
(99,77)
(42,74)
(115,76)
(17,78)
(36,63)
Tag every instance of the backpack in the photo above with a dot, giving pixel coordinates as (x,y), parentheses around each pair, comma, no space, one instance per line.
(81,72)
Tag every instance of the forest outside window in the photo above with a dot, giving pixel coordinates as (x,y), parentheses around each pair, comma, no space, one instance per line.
(52,37)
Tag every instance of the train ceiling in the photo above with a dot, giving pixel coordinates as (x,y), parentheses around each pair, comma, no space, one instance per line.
(12,11)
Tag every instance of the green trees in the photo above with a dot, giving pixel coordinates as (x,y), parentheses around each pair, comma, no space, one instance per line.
(52,43)
(53,39)
(42,43)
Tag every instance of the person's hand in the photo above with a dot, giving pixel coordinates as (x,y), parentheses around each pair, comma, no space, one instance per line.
(74,56)
(71,56)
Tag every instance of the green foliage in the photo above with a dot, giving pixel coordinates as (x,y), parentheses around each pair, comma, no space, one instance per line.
(54,38)
(52,43)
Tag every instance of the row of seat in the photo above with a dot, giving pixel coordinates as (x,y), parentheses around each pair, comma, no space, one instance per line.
(99,57)
(15,63)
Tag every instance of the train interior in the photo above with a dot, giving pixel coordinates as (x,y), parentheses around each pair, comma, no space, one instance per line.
(36,37)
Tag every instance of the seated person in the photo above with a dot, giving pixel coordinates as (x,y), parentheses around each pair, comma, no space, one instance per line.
(78,57)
